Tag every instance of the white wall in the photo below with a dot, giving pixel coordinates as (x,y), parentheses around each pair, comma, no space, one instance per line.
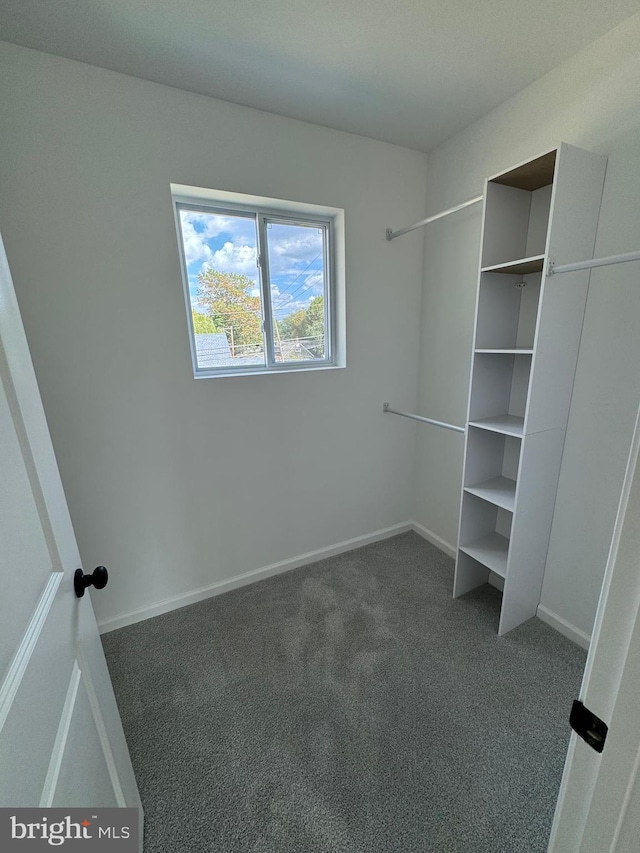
(172,483)
(593,101)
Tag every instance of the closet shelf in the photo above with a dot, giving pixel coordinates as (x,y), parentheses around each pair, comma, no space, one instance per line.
(505,424)
(506,350)
(524,266)
(500,491)
(491,551)
(519,394)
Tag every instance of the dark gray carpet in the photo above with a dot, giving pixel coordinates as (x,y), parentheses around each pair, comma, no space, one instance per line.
(349,706)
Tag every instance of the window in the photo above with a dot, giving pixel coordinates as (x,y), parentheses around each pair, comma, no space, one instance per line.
(260,283)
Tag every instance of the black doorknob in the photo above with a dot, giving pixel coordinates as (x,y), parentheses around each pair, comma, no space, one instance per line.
(97,578)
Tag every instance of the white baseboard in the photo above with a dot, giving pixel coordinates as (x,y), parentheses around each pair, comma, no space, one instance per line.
(561,625)
(219,587)
(564,627)
(432,537)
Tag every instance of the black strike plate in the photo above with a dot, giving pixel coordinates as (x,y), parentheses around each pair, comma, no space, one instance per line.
(590,728)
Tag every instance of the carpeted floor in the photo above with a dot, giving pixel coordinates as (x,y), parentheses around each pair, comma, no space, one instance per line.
(351,706)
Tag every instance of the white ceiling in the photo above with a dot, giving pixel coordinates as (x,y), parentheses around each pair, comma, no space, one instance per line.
(411,72)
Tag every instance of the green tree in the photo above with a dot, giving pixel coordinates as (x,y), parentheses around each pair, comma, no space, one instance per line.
(315,317)
(229,304)
(293,325)
(203,324)
(306,323)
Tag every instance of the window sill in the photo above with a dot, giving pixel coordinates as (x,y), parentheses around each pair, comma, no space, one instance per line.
(267,371)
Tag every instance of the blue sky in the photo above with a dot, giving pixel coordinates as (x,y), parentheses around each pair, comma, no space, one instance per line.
(228,243)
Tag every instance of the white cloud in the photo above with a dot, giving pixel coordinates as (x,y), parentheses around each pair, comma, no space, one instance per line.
(235,258)
(207,224)
(199,228)
(195,247)
(292,248)
(298,293)
(314,280)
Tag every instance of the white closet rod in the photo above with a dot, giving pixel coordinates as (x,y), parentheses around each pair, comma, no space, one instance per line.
(454,427)
(391,235)
(594,262)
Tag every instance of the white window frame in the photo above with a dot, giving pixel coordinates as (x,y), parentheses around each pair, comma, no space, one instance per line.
(265,211)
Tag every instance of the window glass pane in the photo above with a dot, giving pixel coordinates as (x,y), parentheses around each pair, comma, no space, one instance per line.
(220,256)
(298,291)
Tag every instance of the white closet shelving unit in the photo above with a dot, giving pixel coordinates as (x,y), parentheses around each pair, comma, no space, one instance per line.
(527,335)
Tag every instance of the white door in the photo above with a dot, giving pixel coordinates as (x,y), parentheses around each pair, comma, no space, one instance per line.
(598,808)
(61,739)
